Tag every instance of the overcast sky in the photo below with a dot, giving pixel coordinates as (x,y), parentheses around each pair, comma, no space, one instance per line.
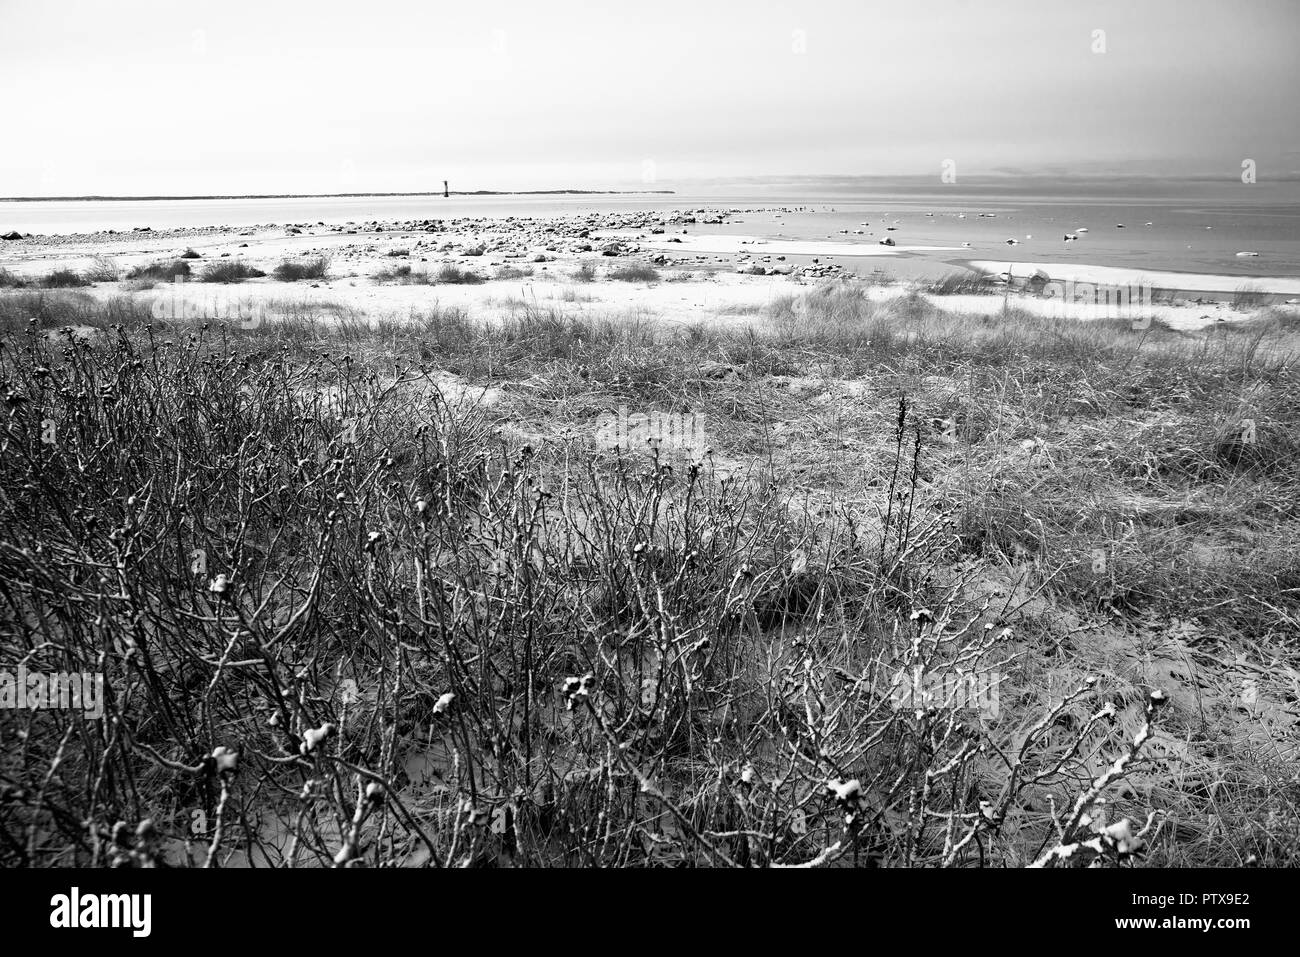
(275,96)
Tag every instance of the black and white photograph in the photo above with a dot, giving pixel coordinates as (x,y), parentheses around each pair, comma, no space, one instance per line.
(632,437)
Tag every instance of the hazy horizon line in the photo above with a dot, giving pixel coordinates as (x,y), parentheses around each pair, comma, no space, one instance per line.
(997,177)
(104,197)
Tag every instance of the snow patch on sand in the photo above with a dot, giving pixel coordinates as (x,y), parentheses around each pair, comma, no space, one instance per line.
(782,247)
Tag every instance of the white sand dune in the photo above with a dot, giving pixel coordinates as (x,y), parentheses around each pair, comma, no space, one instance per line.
(1186,317)
(719,299)
(1115,276)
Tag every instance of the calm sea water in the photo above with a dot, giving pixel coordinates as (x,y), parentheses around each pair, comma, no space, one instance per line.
(1263,218)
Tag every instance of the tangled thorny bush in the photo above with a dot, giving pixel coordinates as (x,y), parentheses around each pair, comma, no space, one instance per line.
(342,619)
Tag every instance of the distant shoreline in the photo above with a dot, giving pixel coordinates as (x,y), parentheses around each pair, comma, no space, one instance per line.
(477,192)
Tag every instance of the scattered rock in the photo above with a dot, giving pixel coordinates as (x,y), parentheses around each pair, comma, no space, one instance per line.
(712,369)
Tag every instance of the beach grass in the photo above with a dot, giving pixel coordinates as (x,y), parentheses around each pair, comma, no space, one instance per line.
(102,270)
(634,272)
(296,270)
(161,270)
(56,279)
(415,551)
(233,270)
(455,276)
(1249,296)
(956,284)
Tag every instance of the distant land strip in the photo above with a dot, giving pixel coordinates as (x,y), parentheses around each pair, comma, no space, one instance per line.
(476,192)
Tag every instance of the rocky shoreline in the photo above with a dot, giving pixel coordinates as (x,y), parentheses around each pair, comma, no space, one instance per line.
(537,239)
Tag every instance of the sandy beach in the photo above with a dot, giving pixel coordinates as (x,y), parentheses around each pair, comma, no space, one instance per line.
(690,277)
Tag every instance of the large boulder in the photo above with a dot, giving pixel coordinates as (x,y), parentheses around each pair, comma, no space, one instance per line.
(14,234)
